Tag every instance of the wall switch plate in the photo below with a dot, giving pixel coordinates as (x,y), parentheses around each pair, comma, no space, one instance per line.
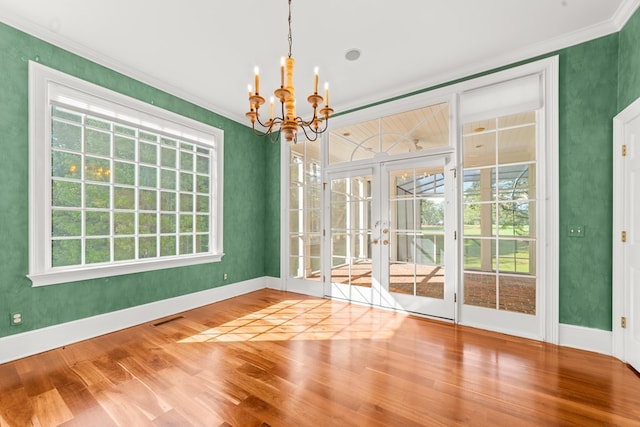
(16,319)
(575,230)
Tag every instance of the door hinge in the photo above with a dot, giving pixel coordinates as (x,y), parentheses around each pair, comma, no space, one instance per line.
(455,172)
(623,322)
(323,232)
(323,279)
(455,235)
(624,237)
(624,150)
(455,297)
(324,186)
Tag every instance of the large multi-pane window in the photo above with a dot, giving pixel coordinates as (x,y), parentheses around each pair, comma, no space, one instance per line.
(121,187)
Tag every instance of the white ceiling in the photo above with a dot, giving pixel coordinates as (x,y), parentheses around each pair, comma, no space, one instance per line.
(205,50)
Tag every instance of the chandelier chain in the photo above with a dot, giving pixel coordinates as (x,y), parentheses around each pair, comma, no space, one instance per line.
(290,38)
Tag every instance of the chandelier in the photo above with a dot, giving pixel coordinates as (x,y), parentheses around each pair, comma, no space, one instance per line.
(288,122)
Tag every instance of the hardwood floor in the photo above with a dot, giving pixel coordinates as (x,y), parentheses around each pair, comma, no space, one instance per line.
(274,358)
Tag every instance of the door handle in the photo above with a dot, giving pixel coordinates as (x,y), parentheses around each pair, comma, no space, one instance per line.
(385,242)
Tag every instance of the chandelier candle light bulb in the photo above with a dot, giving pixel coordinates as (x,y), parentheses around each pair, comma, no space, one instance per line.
(257,71)
(288,123)
(315,80)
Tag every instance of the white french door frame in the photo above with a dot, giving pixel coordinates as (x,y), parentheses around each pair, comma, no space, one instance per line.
(549,216)
(350,292)
(547,316)
(621,282)
(445,308)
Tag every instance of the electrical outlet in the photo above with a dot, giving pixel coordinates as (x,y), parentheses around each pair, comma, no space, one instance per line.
(575,230)
(225,276)
(16,319)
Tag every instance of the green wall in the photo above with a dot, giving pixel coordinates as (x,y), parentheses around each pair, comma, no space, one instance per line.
(272,213)
(244,217)
(588,88)
(629,62)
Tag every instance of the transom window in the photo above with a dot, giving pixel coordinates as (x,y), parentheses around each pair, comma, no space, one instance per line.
(126,188)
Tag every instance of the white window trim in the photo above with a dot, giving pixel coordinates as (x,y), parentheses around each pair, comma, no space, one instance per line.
(45,84)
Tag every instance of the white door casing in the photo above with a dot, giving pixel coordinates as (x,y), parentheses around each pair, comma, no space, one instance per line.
(626,236)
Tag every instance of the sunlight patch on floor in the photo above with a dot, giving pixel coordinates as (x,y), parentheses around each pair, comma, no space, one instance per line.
(303,320)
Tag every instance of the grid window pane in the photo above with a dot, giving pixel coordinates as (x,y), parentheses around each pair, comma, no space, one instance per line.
(124,223)
(124,173)
(66,135)
(97,196)
(66,252)
(147,153)
(66,193)
(97,250)
(106,186)
(65,165)
(147,247)
(167,223)
(97,223)
(167,245)
(124,148)
(124,198)
(66,223)
(97,142)
(124,248)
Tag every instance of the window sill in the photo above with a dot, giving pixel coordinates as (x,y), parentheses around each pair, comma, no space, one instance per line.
(55,277)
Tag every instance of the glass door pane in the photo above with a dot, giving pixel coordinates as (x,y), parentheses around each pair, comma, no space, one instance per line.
(417,207)
(417,214)
(350,209)
(305,212)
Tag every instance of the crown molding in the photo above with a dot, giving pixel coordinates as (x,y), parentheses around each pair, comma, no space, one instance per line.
(85,52)
(624,13)
(505,59)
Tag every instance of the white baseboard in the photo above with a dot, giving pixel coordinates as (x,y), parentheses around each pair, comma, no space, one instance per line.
(273,283)
(37,341)
(28,343)
(590,339)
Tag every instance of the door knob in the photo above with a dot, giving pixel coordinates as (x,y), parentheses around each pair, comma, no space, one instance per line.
(385,242)
(385,231)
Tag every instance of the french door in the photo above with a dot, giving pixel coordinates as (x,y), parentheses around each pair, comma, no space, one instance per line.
(390,236)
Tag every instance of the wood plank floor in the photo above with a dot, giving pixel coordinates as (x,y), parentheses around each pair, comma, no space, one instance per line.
(273,358)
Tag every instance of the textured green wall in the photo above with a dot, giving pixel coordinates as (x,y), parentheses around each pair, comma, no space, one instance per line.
(272,212)
(629,62)
(244,174)
(588,103)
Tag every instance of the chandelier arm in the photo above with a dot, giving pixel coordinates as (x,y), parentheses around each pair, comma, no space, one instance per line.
(302,123)
(264,125)
(306,135)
